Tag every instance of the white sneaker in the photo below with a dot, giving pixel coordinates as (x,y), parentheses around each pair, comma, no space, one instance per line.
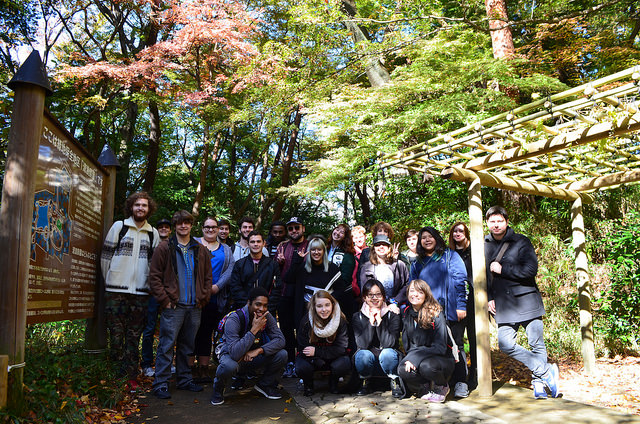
(461,390)
(148,372)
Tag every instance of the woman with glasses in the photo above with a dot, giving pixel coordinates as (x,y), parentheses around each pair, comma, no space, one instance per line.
(384,267)
(322,342)
(376,328)
(317,273)
(221,264)
(342,253)
(429,362)
(446,275)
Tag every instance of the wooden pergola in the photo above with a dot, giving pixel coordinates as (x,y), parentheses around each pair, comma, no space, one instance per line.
(562,146)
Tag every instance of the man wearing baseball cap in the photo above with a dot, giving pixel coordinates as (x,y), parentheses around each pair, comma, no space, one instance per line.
(287,253)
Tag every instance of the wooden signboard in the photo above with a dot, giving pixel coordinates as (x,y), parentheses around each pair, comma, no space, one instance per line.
(66,233)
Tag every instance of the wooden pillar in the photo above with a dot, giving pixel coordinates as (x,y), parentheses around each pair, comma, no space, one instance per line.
(584,288)
(96,329)
(483,352)
(16,215)
(4,371)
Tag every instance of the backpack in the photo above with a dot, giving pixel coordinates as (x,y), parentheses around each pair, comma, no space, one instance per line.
(244,321)
(123,232)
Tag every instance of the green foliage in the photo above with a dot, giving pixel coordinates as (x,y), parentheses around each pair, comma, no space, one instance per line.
(620,303)
(61,381)
(441,84)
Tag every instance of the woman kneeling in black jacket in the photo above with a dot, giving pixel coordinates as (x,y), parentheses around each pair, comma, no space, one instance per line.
(322,342)
(429,362)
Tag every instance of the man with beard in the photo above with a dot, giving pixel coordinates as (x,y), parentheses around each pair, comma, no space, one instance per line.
(287,252)
(125,258)
(245,227)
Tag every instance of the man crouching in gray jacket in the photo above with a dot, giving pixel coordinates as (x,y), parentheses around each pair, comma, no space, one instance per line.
(251,340)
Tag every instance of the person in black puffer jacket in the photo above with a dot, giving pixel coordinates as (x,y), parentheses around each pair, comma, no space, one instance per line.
(429,362)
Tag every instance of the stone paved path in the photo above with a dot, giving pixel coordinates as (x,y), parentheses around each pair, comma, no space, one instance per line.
(510,404)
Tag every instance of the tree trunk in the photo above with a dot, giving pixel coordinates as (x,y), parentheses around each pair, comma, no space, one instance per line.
(197,203)
(124,156)
(154,147)
(364,204)
(501,38)
(377,74)
(264,204)
(288,160)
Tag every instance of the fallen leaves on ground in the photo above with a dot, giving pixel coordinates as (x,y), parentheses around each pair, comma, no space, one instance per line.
(614,384)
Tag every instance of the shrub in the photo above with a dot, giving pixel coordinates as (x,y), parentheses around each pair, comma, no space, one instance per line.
(62,383)
(620,303)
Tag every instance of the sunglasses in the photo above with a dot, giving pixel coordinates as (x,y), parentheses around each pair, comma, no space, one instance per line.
(293,227)
(209,227)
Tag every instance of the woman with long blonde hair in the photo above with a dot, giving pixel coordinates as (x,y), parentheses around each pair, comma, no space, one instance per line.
(429,362)
(322,342)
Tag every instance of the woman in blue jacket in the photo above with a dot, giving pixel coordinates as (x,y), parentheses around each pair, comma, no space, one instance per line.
(445,273)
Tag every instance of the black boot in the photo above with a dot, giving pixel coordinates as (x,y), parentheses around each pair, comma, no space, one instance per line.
(333,385)
(205,378)
(363,390)
(308,388)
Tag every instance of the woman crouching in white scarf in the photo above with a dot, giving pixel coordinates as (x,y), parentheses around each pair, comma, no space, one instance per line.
(376,328)
(322,342)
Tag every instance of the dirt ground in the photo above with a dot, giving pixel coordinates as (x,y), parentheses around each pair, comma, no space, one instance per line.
(616,383)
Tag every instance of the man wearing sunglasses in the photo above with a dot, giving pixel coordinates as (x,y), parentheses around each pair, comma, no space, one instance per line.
(287,251)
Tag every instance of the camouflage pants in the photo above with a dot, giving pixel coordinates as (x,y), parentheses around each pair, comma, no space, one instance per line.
(125,317)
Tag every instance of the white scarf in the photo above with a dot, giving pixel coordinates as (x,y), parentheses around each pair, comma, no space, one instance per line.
(331,327)
(374,318)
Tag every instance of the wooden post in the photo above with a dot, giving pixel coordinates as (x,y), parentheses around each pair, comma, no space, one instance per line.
(483,352)
(96,329)
(584,288)
(4,371)
(16,215)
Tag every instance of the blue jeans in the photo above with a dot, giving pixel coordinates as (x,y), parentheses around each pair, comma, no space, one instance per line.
(367,365)
(272,366)
(534,359)
(178,328)
(148,332)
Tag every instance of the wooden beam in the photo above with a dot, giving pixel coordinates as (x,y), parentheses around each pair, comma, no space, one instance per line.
(563,141)
(604,181)
(483,349)
(4,380)
(498,181)
(584,288)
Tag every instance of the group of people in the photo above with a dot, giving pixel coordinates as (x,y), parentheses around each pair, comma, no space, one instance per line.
(291,305)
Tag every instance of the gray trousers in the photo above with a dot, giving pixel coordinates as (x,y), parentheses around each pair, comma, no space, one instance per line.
(272,367)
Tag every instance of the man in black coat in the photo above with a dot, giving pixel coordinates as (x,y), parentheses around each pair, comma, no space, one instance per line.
(255,270)
(515,300)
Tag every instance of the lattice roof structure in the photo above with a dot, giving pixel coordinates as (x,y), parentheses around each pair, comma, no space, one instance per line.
(562,146)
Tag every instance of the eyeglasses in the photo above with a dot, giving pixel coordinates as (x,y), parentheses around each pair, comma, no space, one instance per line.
(209,227)
(374,296)
(293,227)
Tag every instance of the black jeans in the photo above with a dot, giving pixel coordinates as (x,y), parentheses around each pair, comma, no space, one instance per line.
(429,368)
(286,311)
(305,366)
